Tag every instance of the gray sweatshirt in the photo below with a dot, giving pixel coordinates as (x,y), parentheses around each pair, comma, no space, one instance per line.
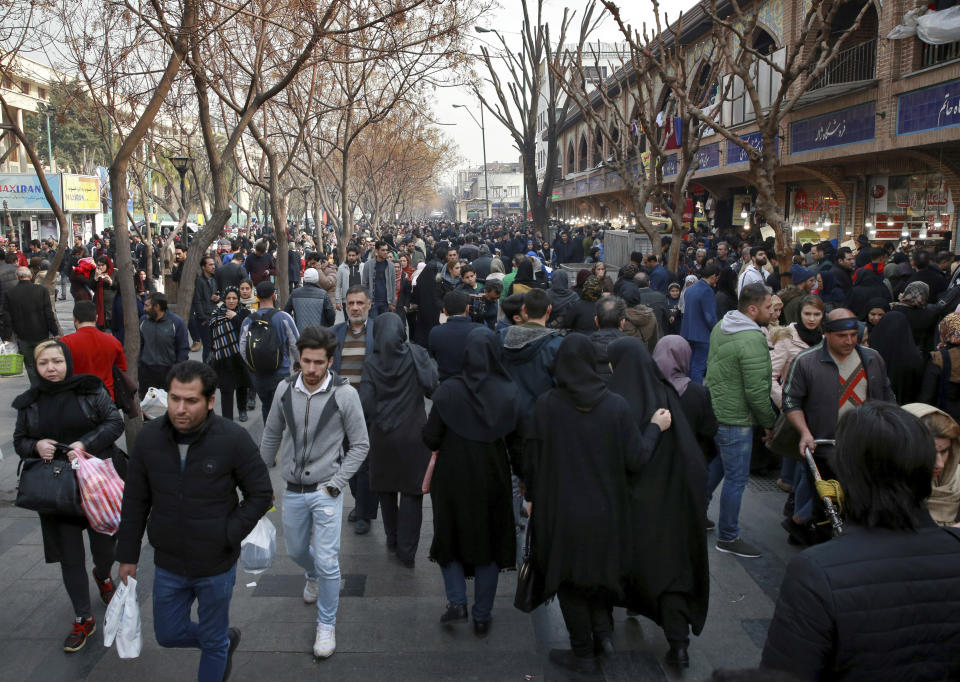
(311,452)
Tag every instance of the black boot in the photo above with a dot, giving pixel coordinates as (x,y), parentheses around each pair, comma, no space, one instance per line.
(565,658)
(678,656)
(455,613)
(603,644)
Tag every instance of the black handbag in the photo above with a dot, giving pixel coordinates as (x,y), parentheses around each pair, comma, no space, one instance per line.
(48,487)
(529,593)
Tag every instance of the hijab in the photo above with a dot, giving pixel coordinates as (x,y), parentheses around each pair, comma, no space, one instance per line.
(525,274)
(420,266)
(892,337)
(561,296)
(576,373)
(82,383)
(636,378)
(592,289)
(482,403)
(881,303)
(688,282)
(915,295)
(398,374)
(950,330)
(496,265)
(672,355)
(945,494)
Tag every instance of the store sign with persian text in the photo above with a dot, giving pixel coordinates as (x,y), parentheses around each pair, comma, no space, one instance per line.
(847,126)
(81,193)
(737,154)
(708,156)
(22,191)
(929,109)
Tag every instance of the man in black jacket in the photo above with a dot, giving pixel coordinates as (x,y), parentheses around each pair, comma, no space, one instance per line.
(205,299)
(447,341)
(183,475)
(29,315)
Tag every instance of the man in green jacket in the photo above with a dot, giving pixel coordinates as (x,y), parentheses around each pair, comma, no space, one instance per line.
(739,377)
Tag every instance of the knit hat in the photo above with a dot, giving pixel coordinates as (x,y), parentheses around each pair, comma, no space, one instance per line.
(311,276)
(800,274)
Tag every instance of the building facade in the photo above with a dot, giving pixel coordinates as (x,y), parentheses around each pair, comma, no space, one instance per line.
(872,147)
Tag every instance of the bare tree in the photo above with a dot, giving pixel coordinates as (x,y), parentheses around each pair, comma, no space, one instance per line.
(532,77)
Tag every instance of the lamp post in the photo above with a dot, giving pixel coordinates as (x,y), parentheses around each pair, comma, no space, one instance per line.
(50,111)
(483,137)
(182,164)
(523,100)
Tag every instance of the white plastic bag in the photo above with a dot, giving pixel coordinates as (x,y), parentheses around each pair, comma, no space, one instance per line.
(258,549)
(154,403)
(122,621)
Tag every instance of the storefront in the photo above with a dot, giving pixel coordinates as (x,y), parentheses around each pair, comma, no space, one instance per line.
(816,213)
(918,206)
(81,203)
(26,213)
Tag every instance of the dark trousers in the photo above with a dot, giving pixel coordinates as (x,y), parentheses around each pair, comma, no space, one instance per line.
(68,538)
(401,522)
(232,378)
(586,613)
(173,597)
(367,500)
(379,309)
(266,385)
(193,326)
(676,623)
(206,340)
(153,376)
(29,364)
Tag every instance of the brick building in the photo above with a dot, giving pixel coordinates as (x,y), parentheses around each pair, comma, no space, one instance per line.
(873,147)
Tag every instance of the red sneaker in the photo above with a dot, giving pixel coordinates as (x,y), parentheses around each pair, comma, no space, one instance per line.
(106,587)
(82,629)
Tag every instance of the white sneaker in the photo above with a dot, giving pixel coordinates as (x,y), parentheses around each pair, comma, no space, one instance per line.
(310,591)
(326,642)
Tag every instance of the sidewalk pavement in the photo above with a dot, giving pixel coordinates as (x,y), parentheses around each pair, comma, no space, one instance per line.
(388,623)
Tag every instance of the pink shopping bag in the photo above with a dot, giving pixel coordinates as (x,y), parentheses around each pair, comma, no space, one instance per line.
(101,491)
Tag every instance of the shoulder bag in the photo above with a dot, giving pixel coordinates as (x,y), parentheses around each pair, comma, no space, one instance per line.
(48,486)
(529,593)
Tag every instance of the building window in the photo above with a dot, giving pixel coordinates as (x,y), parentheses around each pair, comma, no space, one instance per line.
(7,84)
(25,87)
(42,93)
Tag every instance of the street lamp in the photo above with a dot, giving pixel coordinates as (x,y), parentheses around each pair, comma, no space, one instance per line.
(483,136)
(50,111)
(523,99)
(182,164)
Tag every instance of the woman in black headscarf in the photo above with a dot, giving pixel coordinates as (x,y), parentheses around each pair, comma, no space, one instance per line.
(473,426)
(868,287)
(582,443)
(668,580)
(875,310)
(425,297)
(892,338)
(76,410)
(524,280)
(562,299)
(395,380)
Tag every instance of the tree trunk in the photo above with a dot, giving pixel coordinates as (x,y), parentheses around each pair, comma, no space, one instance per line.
(676,242)
(278,204)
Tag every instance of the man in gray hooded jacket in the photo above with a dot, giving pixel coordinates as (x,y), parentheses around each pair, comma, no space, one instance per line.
(313,414)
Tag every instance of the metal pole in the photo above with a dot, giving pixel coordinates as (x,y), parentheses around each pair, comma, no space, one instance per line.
(49,143)
(523,99)
(186,215)
(486,185)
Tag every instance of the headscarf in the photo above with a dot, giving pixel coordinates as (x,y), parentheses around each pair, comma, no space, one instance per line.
(576,373)
(582,275)
(496,265)
(950,330)
(892,338)
(420,266)
(636,377)
(875,303)
(70,381)
(915,295)
(395,376)
(688,282)
(482,403)
(830,293)
(945,495)
(561,296)
(592,289)
(525,274)
(672,355)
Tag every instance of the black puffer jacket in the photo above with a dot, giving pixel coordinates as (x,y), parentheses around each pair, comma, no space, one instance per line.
(196,522)
(873,605)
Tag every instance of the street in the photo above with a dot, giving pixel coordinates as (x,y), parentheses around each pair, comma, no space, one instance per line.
(387,625)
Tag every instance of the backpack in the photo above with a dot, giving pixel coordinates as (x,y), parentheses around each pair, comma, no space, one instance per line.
(264,349)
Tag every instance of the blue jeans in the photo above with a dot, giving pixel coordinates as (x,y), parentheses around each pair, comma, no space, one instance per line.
(173,597)
(266,385)
(803,492)
(485,589)
(732,465)
(311,528)
(379,309)
(698,361)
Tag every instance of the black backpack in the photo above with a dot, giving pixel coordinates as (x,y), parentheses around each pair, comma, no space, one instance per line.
(264,352)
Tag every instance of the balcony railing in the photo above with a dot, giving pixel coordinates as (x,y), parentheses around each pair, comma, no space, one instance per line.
(857,63)
(931,55)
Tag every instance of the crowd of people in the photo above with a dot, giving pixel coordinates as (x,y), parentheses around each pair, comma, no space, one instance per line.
(596,410)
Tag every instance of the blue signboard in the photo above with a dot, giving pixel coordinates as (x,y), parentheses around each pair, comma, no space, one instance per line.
(670,165)
(583,186)
(847,126)
(22,191)
(929,109)
(736,154)
(708,156)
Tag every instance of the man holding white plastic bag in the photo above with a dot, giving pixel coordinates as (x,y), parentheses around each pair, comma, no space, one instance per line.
(183,474)
(313,414)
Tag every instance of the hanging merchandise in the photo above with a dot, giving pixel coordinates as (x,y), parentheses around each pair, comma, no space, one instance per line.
(931,26)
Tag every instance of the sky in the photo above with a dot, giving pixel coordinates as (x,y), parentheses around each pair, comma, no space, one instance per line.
(508,19)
